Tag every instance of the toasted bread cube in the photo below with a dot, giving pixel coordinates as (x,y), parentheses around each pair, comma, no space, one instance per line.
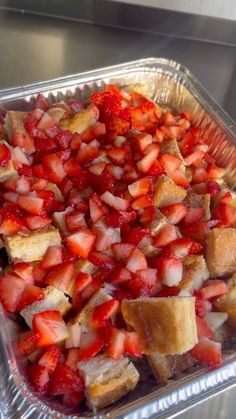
(33,246)
(79,122)
(57,193)
(206,202)
(14,120)
(54,299)
(84,316)
(165,367)
(164,325)
(221,251)
(167,192)
(157,224)
(227,303)
(171,146)
(200,201)
(107,380)
(195,272)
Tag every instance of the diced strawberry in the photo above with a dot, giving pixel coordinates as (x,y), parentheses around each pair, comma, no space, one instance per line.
(117,155)
(169,162)
(39,171)
(182,247)
(207,351)
(179,178)
(102,183)
(175,212)
(142,141)
(142,202)
(64,380)
(24,270)
(105,237)
(73,399)
(101,260)
(120,276)
(97,168)
(96,208)
(213,188)
(145,164)
(169,270)
(116,342)
(82,280)
(72,168)
(31,204)
(38,274)
(25,170)
(169,119)
(5,155)
(122,250)
(167,234)
(50,358)
(168,291)
(74,221)
(23,140)
(60,276)
(136,261)
(140,187)
(87,154)
(11,289)
(30,294)
(72,358)
(194,159)
(26,343)
(215,172)
(49,327)
(52,257)
(10,196)
(22,185)
(200,175)
(41,102)
(135,235)
(54,168)
(91,349)
(94,131)
(156,169)
(194,215)
(203,330)
(201,306)
(103,312)
(37,222)
(63,139)
(39,377)
(115,202)
(224,213)
(11,224)
(148,215)
(81,242)
(144,283)
(132,345)
(94,286)
(214,290)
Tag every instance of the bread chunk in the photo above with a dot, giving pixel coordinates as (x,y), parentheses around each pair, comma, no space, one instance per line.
(54,299)
(165,367)
(200,201)
(14,120)
(195,272)
(84,316)
(107,380)
(227,303)
(167,192)
(221,251)
(165,325)
(79,122)
(33,246)
(171,146)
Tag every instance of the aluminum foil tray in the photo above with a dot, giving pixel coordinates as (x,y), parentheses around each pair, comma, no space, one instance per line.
(170,84)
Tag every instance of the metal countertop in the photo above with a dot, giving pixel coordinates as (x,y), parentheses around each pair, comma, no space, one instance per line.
(36,48)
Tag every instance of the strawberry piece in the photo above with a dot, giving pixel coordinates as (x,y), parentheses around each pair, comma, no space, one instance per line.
(120,276)
(215,172)
(63,139)
(11,224)
(73,399)
(143,283)
(39,377)
(207,351)
(11,289)
(169,162)
(50,358)
(38,274)
(91,349)
(135,235)
(105,237)
(26,343)
(72,168)
(31,204)
(5,155)
(81,243)
(96,208)
(24,270)
(52,257)
(60,276)
(132,345)
(117,155)
(203,330)
(136,261)
(214,290)
(72,358)
(74,221)
(94,131)
(148,215)
(167,234)
(54,168)
(180,248)
(64,380)
(103,312)
(175,212)
(22,186)
(179,178)
(140,187)
(142,202)
(49,327)
(102,183)
(87,154)
(168,291)
(25,170)
(189,141)
(224,213)
(156,169)
(213,188)
(194,159)
(23,140)
(122,250)
(36,222)
(142,141)
(116,341)
(41,102)
(200,176)
(95,285)
(169,119)
(39,171)
(101,260)
(82,280)
(30,294)
(194,215)
(170,271)
(201,306)
(115,202)
(97,168)
(145,164)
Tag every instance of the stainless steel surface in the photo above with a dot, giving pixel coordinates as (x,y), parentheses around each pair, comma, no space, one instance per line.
(168,83)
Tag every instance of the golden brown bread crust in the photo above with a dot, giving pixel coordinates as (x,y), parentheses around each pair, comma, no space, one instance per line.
(84,316)
(79,122)
(33,246)
(194,272)
(227,303)
(165,367)
(221,251)
(167,192)
(171,146)
(194,200)
(164,325)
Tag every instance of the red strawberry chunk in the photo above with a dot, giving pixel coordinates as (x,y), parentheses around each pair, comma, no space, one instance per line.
(64,380)
(30,294)
(136,261)
(11,224)
(63,139)
(194,215)
(169,162)
(103,312)
(23,140)
(73,399)
(144,283)
(50,358)
(167,234)
(72,358)
(60,277)
(81,282)
(135,235)
(120,276)
(203,330)
(81,243)
(175,212)
(41,102)
(36,222)
(224,213)
(132,345)
(5,155)
(50,327)
(179,178)
(72,168)
(142,141)
(215,172)
(101,260)
(24,270)
(96,208)
(214,290)
(168,291)
(39,377)
(117,155)
(105,237)
(194,159)
(182,247)
(169,270)
(74,221)
(31,204)
(115,202)
(213,188)
(140,187)
(142,202)
(52,257)
(207,351)
(87,154)
(26,343)
(102,183)
(201,306)
(11,289)
(54,168)
(116,342)
(122,250)
(145,164)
